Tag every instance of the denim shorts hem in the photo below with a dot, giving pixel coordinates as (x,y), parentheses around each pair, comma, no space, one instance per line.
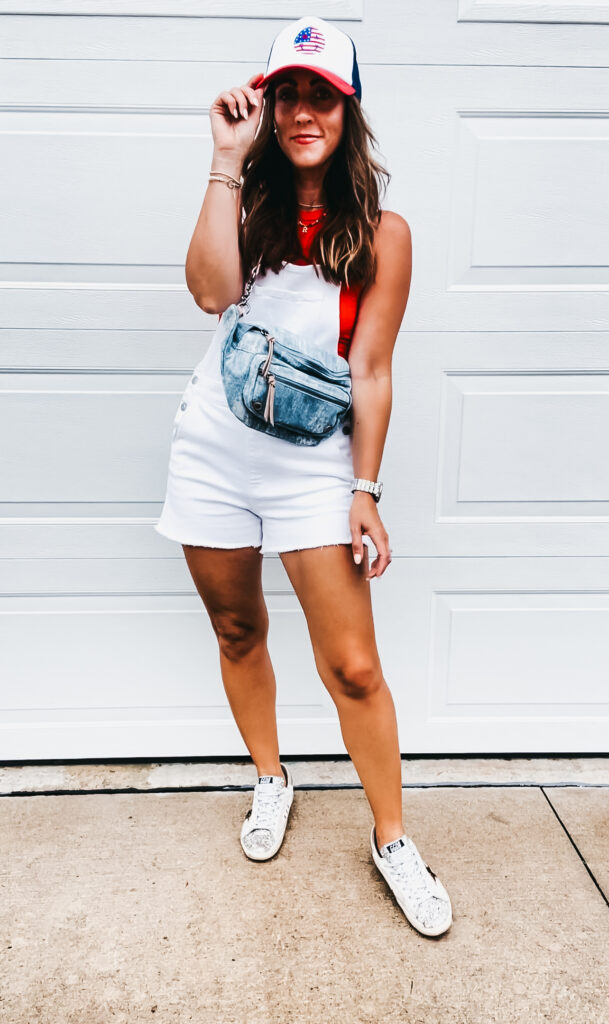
(204,542)
(305,543)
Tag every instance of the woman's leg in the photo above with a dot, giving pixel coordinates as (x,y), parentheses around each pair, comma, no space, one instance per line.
(229,581)
(336,600)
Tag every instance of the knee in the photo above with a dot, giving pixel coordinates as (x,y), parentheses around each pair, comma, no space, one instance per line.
(237,636)
(358,678)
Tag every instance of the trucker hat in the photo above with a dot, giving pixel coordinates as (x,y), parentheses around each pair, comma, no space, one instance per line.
(316,44)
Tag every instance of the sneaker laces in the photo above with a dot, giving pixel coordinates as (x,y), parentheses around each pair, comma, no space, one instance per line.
(411,873)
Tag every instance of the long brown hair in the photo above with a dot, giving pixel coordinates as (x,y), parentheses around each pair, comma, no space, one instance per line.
(343,246)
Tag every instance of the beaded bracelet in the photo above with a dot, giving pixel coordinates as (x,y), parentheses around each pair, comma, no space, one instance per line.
(226,179)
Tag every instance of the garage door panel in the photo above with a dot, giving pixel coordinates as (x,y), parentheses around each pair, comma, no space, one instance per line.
(95,307)
(495,654)
(67,205)
(119,668)
(429,33)
(505,196)
(65,536)
(75,349)
(575,12)
(290,9)
(531,210)
(85,440)
(493,445)
(518,445)
(86,569)
(490,656)
(532,645)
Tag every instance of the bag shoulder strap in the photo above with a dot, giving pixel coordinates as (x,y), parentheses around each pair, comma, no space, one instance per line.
(243,304)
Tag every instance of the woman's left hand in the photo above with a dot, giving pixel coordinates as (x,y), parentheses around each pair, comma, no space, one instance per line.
(364,518)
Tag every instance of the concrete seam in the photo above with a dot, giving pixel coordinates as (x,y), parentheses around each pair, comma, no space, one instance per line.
(573,843)
(247,788)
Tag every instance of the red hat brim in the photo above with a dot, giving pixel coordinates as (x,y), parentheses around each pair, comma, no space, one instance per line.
(339,83)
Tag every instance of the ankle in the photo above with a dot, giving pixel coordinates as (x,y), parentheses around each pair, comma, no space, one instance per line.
(273,769)
(387,833)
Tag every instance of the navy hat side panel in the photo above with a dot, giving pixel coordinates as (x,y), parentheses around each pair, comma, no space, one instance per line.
(357,85)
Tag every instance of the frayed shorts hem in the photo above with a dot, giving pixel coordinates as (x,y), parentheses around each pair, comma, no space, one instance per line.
(198,542)
(305,543)
(281,548)
(266,548)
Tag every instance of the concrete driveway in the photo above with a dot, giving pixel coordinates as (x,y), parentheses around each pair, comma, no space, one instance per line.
(141,906)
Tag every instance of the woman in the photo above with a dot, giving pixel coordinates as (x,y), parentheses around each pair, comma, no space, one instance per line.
(337,269)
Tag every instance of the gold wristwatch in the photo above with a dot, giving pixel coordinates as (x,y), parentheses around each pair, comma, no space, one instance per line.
(373,487)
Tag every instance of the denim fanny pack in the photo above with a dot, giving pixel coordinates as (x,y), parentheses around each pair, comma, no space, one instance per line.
(280,383)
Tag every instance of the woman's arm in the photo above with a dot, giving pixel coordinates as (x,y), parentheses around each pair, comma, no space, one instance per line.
(214,275)
(379,319)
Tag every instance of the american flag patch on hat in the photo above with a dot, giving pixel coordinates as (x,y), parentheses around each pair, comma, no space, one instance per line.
(309,40)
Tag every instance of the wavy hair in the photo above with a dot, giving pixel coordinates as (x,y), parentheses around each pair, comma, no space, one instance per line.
(343,246)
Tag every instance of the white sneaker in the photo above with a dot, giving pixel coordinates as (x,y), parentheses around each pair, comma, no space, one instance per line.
(417,889)
(264,827)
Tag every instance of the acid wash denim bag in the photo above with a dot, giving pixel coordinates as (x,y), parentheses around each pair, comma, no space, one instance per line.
(280,383)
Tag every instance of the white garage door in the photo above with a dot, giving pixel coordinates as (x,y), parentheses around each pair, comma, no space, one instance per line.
(492,118)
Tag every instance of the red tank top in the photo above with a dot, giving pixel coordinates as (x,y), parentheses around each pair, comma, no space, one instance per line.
(349,296)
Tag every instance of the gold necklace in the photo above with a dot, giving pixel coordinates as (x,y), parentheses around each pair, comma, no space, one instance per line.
(313,206)
(306,225)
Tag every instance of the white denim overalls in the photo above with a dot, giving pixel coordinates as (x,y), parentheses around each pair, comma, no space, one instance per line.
(231,486)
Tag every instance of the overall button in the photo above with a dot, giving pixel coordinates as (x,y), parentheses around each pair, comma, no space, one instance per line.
(183,406)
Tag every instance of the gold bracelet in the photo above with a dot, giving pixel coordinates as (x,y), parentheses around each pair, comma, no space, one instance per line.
(226,179)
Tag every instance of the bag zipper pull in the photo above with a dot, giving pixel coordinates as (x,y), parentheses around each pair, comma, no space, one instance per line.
(264,369)
(270,397)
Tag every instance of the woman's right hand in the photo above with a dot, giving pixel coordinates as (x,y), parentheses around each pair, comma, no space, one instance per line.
(235,116)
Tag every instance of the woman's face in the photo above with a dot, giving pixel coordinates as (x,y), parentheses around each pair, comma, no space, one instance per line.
(308,105)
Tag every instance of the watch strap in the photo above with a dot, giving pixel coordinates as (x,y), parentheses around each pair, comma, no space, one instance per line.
(373,487)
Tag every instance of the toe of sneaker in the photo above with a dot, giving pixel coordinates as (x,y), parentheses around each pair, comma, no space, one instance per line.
(258,838)
(436,919)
